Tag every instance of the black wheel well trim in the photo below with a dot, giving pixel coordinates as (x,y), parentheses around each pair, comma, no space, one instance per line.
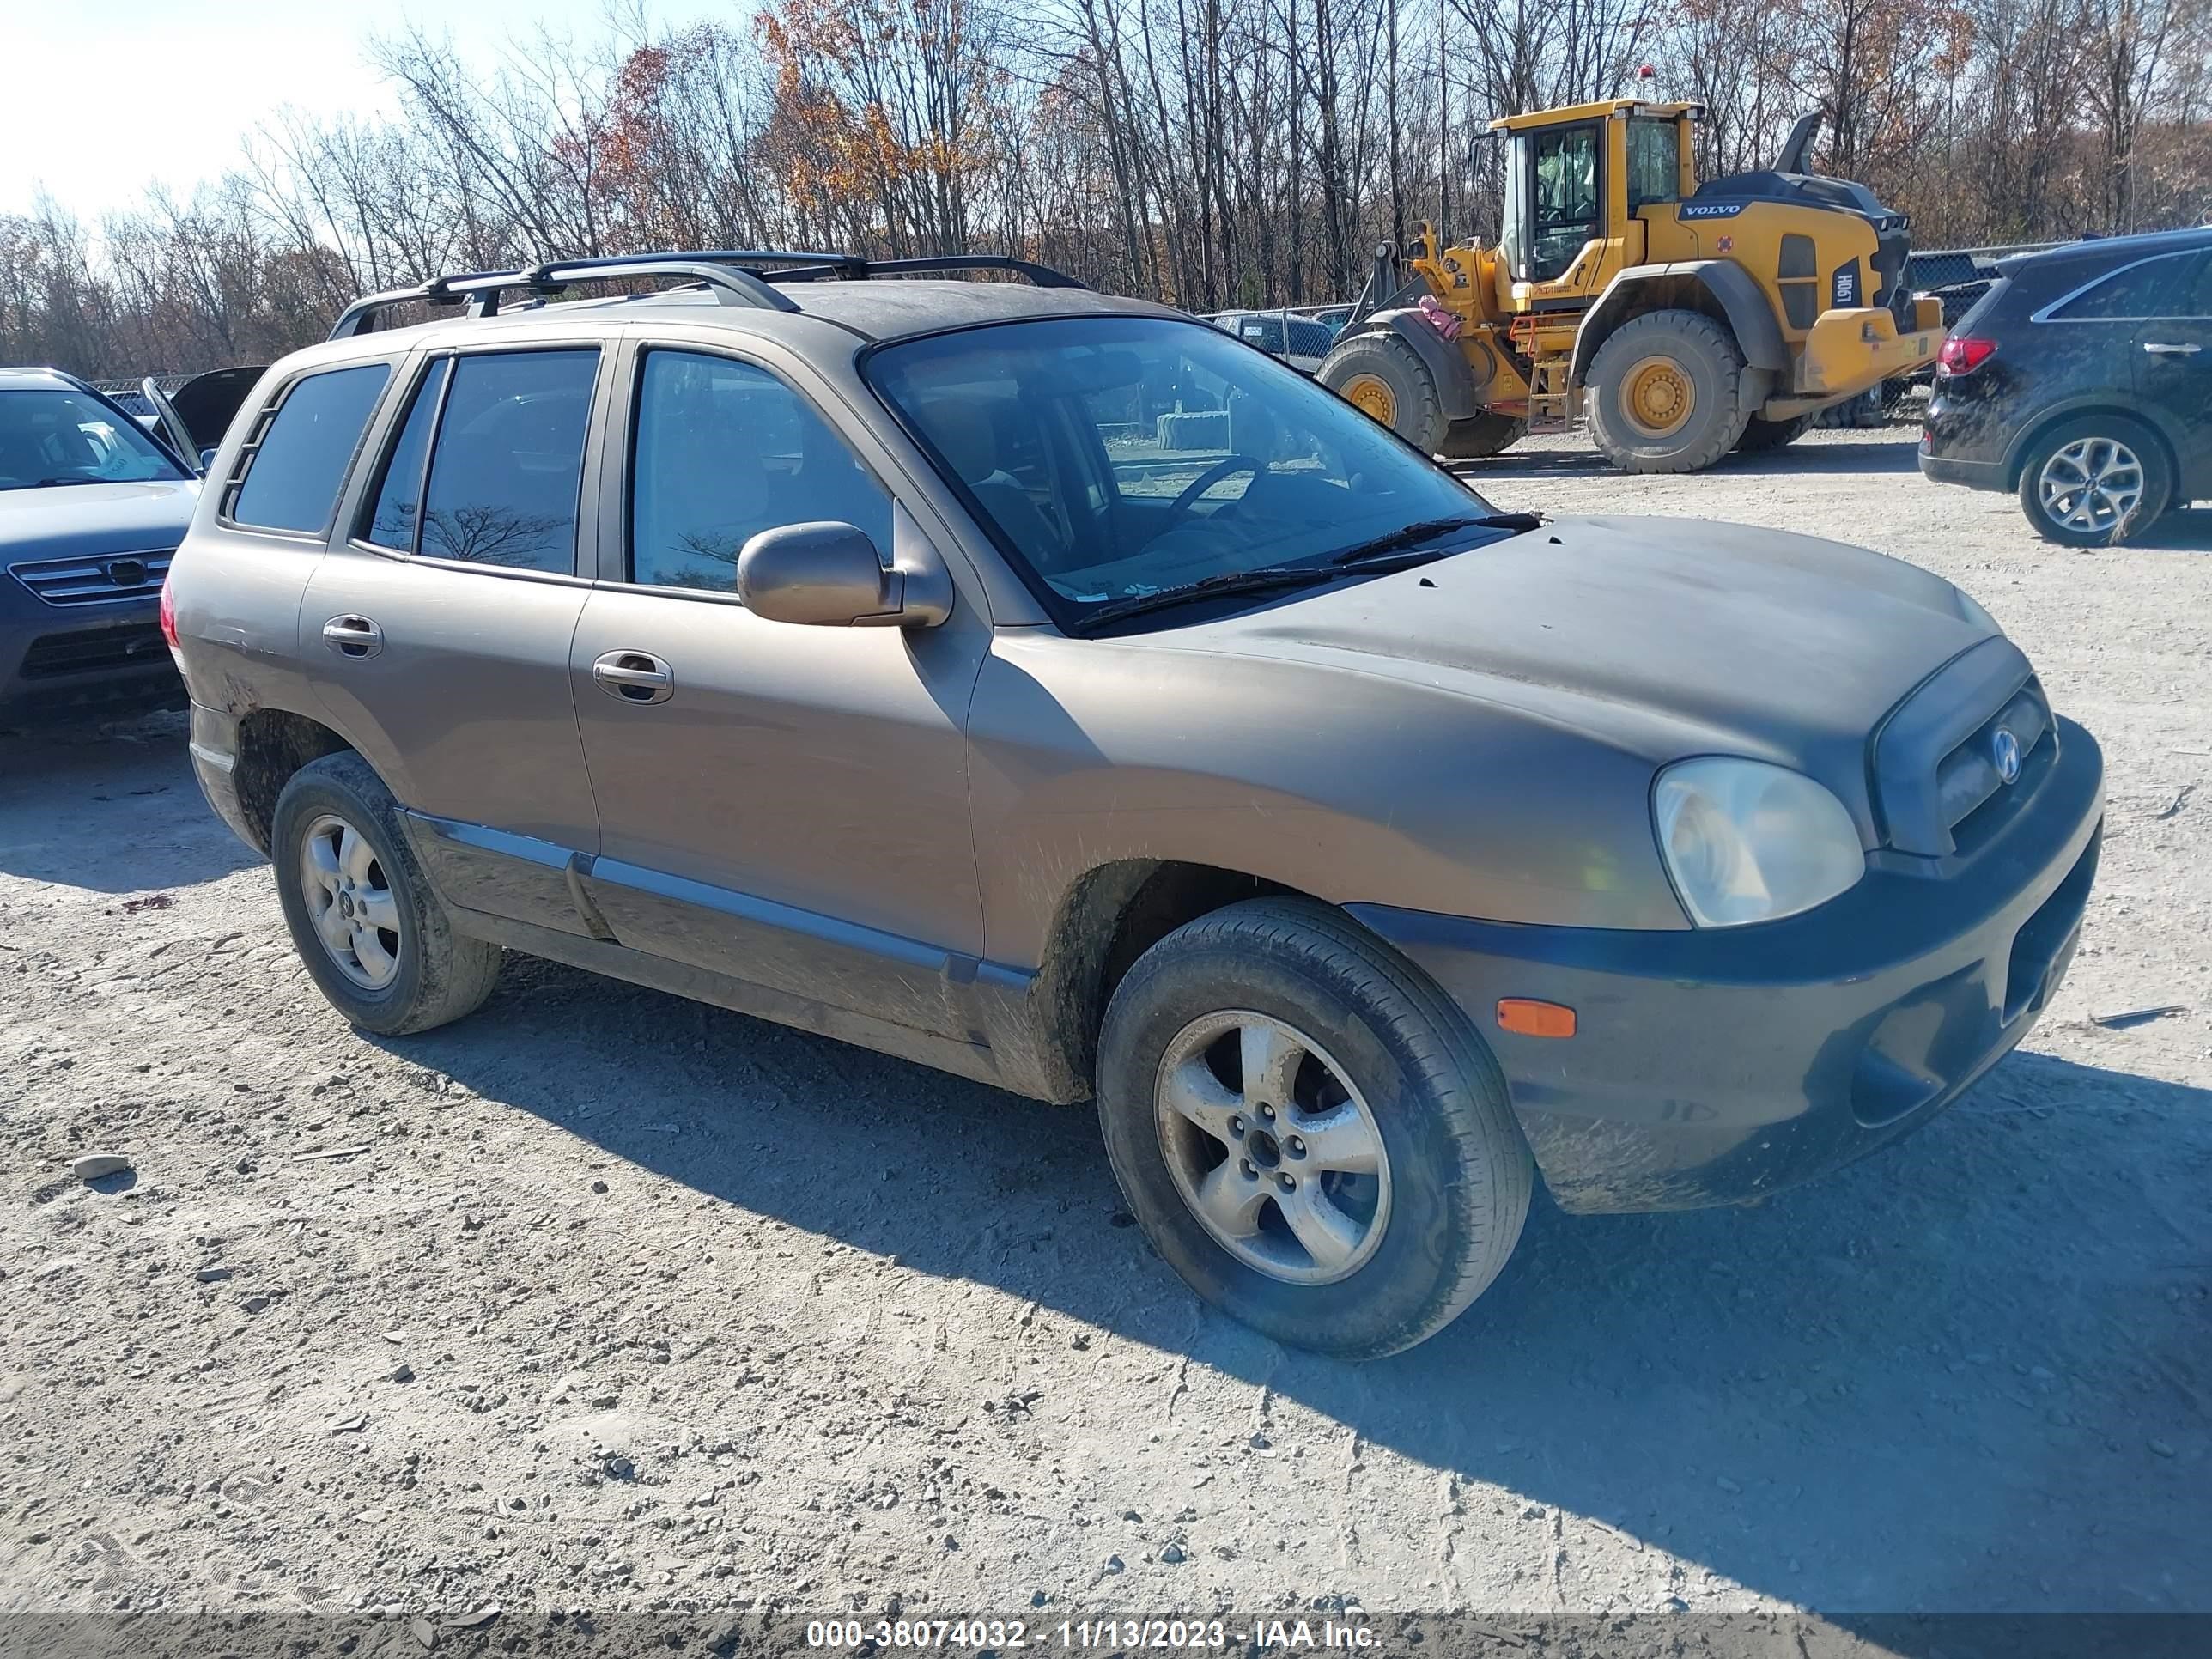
(1714,287)
(273,745)
(1109,916)
(2015,460)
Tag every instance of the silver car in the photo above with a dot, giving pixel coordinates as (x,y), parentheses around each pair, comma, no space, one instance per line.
(1052,689)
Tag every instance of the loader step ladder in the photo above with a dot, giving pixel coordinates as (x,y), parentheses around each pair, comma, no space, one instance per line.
(1550,400)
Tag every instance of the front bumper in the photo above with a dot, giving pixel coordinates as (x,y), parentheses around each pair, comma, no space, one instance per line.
(60,664)
(1716,1067)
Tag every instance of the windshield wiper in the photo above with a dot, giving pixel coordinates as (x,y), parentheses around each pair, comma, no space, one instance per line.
(1429,529)
(1267,578)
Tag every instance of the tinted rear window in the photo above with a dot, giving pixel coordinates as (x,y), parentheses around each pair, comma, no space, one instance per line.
(508,460)
(293,472)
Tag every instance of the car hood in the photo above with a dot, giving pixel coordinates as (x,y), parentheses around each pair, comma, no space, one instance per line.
(1667,637)
(87,520)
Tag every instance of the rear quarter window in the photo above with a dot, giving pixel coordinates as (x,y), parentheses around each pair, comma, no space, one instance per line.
(296,459)
(2149,288)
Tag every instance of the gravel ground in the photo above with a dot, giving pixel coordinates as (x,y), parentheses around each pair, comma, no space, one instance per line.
(604,1299)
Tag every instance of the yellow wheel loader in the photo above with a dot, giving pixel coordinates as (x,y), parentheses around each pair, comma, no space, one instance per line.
(1681,320)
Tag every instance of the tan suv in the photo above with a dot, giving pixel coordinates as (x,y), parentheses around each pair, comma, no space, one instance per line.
(1054,689)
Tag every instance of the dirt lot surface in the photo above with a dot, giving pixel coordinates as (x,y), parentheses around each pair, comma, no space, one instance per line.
(604,1299)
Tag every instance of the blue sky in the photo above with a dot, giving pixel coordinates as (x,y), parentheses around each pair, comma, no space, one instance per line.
(104,96)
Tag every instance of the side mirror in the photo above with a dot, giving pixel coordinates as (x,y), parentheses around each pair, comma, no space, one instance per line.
(829,574)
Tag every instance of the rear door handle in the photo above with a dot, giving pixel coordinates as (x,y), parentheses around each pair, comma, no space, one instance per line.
(635,676)
(353,636)
(2160,349)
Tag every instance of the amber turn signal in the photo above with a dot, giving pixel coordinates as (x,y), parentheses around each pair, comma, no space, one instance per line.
(1526,1017)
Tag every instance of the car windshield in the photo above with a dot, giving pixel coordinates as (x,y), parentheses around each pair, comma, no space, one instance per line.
(1117,457)
(64,437)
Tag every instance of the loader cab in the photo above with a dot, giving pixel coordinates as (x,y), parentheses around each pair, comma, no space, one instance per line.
(1576,181)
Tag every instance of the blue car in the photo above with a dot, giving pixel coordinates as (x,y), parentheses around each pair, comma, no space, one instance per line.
(91,508)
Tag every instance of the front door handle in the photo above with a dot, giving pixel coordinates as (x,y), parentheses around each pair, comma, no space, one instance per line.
(635,676)
(2160,349)
(353,636)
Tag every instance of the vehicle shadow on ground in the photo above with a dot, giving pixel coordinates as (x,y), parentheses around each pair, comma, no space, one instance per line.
(1900,453)
(1881,1391)
(2188,531)
(104,807)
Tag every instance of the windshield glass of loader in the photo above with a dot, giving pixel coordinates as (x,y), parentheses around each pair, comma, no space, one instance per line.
(1118,456)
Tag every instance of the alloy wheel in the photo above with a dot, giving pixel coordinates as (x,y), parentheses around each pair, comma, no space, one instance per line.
(351,903)
(1273,1147)
(2091,485)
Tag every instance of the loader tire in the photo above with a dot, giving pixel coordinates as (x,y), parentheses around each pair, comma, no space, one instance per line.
(1483,436)
(1760,436)
(1665,393)
(1384,379)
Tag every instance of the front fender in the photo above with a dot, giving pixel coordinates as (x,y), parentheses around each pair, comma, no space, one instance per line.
(1750,318)
(1352,787)
(1446,363)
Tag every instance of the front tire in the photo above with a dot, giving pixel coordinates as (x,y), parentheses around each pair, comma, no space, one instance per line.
(1384,379)
(371,933)
(2095,481)
(1308,1131)
(1665,392)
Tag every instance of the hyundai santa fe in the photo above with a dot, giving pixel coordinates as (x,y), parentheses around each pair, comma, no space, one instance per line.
(1054,690)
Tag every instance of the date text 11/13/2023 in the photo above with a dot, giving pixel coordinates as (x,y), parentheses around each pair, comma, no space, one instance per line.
(1083,1634)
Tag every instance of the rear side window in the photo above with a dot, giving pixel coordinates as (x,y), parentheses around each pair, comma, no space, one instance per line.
(298,455)
(2150,289)
(725,451)
(507,461)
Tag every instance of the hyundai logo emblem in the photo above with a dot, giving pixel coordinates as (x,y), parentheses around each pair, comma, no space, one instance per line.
(2005,749)
(126,573)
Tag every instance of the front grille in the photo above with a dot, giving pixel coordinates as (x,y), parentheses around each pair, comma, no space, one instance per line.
(95,579)
(1940,759)
(90,649)
(1969,778)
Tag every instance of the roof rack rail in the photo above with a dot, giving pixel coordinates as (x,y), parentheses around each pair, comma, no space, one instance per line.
(480,290)
(853,266)
(737,277)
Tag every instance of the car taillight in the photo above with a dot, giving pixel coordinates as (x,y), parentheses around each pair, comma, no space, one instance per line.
(1963,353)
(169,621)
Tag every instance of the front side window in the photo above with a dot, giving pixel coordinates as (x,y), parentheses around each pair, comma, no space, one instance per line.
(1117,456)
(1566,181)
(2150,289)
(298,458)
(507,461)
(724,451)
(1654,162)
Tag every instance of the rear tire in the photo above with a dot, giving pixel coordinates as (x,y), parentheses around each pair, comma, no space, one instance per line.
(1482,436)
(1665,393)
(2120,464)
(1759,435)
(1383,377)
(1383,1110)
(409,976)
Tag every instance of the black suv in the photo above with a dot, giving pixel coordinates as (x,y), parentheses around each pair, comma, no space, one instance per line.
(2083,381)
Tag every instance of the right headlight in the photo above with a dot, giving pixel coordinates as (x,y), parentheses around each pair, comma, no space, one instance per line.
(1749,841)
